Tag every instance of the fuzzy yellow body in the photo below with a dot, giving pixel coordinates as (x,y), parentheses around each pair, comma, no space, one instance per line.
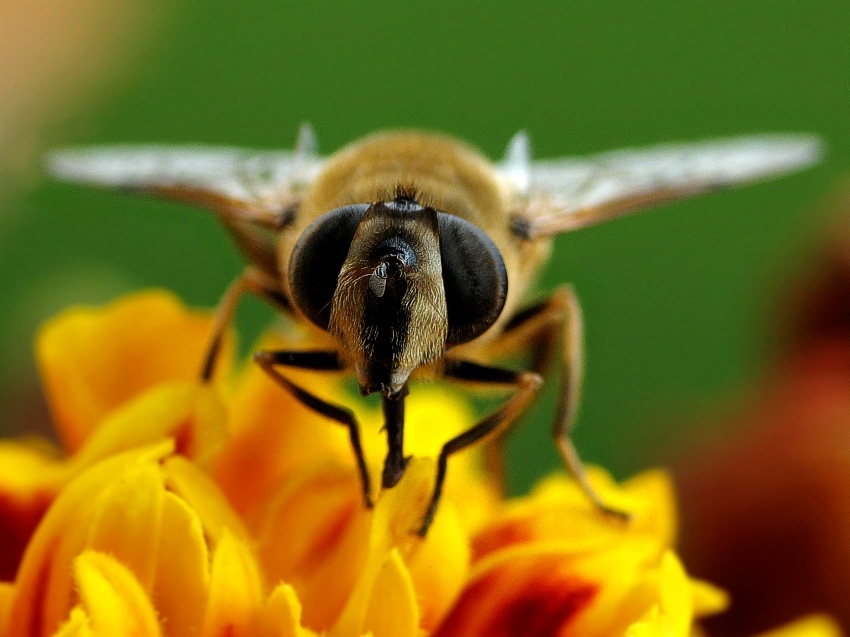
(443,173)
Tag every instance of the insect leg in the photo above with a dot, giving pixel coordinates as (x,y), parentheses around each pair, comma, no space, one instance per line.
(251,281)
(572,372)
(396,462)
(538,329)
(526,384)
(318,361)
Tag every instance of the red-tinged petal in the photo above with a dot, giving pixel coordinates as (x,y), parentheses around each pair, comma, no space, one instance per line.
(182,570)
(313,536)
(273,436)
(94,360)
(534,596)
(78,625)
(201,494)
(29,481)
(190,413)
(43,589)
(114,600)
(235,599)
(282,615)
(557,510)
(392,610)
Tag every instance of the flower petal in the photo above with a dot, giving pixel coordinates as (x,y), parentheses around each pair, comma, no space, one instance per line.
(393,610)
(78,625)
(113,598)
(235,599)
(94,360)
(708,599)
(810,626)
(282,615)
(182,569)
(203,496)
(326,528)
(6,592)
(29,481)
(190,413)
(558,510)
(126,521)
(273,436)
(43,588)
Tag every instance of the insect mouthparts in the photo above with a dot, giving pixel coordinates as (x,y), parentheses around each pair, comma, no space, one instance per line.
(378,280)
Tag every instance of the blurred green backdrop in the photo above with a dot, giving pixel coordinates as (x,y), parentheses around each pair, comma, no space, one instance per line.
(678,302)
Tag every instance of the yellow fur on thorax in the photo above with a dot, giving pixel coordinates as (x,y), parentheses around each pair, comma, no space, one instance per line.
(440,172)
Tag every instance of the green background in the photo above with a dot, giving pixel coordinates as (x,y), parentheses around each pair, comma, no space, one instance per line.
(678,303)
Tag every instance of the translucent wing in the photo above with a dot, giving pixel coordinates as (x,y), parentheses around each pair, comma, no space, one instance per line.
(253,185)
(561,195)
(250,190)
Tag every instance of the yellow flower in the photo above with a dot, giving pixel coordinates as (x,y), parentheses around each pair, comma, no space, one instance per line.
(181,509)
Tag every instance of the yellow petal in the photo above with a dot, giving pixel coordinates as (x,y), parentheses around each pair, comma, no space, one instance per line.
(113,598)
(78,625)
(94,360)
(190,413)
(707,598)
(235,598)
(182,570)
(439,565)
(557,510)
(127,518)
(394,525)
(282,615)
(203,496)
(43,591)
(810,626)
(393,610)
(29,481)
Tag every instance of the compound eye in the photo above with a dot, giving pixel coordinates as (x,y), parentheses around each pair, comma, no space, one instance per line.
(317,259)
(474,278)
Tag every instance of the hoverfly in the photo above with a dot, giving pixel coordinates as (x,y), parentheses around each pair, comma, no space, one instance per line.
(414,252)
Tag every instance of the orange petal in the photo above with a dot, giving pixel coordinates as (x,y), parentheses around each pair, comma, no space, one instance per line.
(273,436)
(114,600)
(313,536)
(29,481)
(190,413)
(235,600)
(44,592)
(94,360)
(6,592)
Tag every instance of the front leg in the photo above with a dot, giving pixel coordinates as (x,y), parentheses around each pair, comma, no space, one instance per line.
(525,384)
(318,361)
(554,328)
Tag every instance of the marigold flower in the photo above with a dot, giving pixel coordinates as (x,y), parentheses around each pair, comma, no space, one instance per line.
(184,509)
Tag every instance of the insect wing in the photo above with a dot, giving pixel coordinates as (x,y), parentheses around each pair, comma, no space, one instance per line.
(568,194)
(230,180)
